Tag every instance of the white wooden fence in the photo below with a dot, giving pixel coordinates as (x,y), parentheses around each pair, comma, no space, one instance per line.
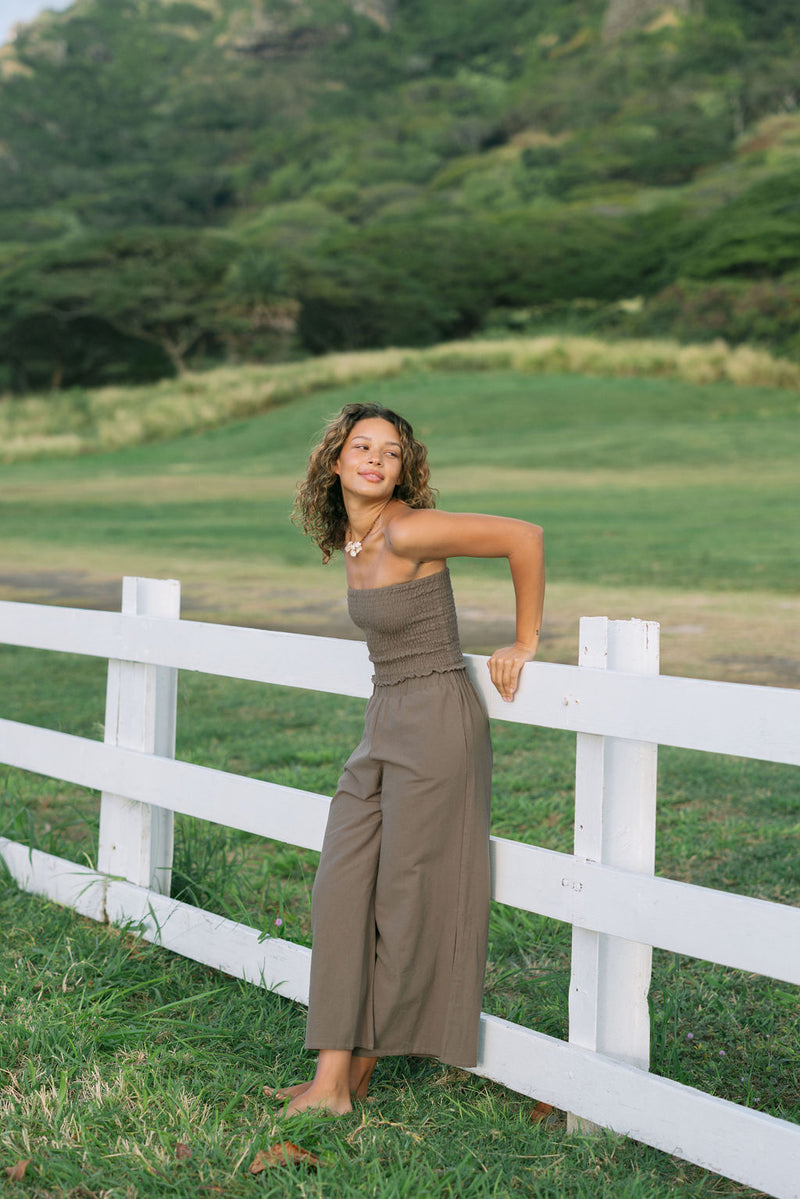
(619,707)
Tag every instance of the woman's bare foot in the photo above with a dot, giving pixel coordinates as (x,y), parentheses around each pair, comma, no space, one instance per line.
(360,1073)
(284,1093)
(318,1098)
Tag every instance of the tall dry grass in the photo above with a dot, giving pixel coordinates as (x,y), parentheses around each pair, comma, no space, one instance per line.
(78,421)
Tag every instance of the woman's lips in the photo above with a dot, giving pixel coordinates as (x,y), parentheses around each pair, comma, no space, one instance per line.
(372,475)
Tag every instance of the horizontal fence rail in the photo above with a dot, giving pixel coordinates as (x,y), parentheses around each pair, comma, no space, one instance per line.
(609,709)
(732,930)
(729,718)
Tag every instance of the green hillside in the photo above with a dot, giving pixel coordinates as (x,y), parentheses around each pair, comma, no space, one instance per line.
(227,180)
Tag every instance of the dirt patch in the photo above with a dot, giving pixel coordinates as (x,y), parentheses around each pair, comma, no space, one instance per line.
(774,671)
(62,587)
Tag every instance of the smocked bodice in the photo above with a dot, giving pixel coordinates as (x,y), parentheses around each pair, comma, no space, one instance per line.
(411,628)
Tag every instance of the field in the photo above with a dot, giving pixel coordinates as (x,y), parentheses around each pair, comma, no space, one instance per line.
(661,499)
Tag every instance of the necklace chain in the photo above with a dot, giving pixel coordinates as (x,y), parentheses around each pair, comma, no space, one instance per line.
(355,545)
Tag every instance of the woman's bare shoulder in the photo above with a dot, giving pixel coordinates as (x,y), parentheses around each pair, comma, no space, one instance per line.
(403,521)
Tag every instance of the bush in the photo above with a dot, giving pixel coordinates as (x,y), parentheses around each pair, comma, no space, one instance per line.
(397,284)
(765,313)
(405,283)
(767,19)
(755,235)
(657,149)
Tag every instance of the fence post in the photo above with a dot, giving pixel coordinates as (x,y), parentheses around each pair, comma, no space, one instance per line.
(136,839)
(615,823)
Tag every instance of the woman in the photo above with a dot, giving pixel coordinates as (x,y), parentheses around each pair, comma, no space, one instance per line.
(401,899)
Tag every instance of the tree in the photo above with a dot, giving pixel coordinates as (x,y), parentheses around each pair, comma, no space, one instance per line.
(162,288)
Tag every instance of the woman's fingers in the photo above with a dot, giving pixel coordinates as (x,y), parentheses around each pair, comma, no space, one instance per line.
(516,667)
(501,677)
(504,667)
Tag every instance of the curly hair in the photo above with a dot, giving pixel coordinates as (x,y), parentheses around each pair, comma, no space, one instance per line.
(319,506)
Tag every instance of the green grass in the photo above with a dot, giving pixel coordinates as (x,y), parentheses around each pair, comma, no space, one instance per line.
(66,423)
(103,1077)
(637,482)
(114,1051)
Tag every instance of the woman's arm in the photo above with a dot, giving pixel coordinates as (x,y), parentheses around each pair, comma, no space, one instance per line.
(425,534)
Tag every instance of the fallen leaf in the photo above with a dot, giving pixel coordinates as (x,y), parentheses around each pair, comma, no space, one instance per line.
(17,1173)
(282,1153)
(540,1112)
(182,1151)
(258,1164)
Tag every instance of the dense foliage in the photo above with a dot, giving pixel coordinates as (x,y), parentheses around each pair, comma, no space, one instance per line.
(183,183)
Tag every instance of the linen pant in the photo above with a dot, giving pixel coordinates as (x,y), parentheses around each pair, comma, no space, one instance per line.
(400,904)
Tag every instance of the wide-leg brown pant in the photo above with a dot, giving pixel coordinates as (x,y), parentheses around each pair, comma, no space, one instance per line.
(400,904)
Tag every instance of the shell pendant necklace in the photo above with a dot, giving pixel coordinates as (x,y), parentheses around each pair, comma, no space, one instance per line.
(354,546)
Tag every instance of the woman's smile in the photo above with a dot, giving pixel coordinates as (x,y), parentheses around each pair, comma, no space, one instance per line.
(372,454)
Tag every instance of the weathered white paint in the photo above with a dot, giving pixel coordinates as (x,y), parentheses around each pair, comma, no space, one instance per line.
(136,839)
(278,965)
(729,718)
(615,823)
(253,805)
(67,883)
(733,930)
(603,705)
(748,1146)
(259,655)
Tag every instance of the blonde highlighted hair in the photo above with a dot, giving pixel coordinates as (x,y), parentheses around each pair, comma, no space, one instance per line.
(319,507)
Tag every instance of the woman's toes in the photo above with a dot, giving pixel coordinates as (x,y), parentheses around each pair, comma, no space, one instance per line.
(284,1093)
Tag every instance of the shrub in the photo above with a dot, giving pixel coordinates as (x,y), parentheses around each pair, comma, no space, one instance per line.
(399,282)
(757,234)
(766,312)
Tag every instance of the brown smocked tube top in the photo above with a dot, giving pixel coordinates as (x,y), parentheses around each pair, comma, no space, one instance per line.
(411,628)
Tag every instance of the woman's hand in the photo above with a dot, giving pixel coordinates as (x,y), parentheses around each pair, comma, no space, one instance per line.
(505,666)
(425,535)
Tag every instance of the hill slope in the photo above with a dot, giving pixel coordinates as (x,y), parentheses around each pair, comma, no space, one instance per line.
(196,181)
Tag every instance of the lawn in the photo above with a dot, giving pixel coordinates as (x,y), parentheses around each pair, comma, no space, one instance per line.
(660,499)
(652,492)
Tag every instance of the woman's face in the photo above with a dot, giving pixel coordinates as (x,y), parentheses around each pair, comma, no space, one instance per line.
(371,462)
